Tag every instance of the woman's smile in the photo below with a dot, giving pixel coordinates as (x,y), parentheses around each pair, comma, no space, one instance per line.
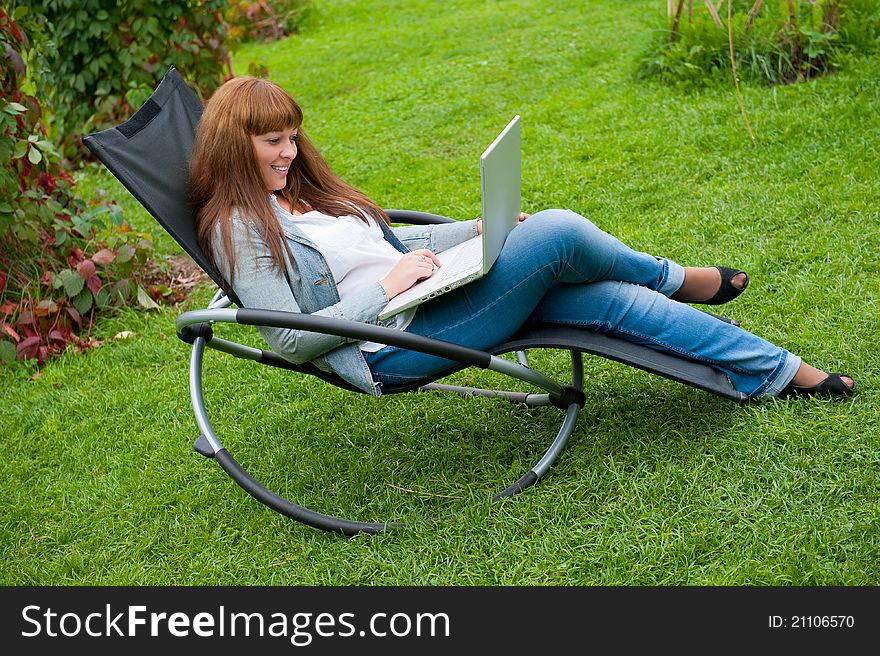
(274,152)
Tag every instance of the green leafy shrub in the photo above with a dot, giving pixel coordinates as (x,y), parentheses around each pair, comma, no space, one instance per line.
(776,42)
(105,57)
(60,258)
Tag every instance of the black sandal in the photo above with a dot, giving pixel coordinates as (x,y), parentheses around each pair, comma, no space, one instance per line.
(832,385)
(727,292)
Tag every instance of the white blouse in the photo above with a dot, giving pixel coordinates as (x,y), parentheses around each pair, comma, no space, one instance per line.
(356,252)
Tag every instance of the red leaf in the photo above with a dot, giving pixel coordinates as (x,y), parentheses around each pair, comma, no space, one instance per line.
(104,256)
(47,182)
(75,315)
(3,278)
(57,336)
(11,332)
(76,256)
(94,284)
(7,308)
(29,347)
(29,331)
(26,317)
(86,269)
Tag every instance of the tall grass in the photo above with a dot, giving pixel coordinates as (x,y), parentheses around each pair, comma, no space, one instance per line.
(773,42)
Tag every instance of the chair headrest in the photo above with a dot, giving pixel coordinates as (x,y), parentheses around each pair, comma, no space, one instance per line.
(149,154)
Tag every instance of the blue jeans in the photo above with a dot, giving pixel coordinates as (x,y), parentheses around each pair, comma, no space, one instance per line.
(557,267)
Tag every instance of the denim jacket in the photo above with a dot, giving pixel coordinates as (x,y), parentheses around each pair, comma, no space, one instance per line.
(306,285)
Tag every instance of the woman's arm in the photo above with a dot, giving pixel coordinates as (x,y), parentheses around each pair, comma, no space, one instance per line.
(440,236)
(258,285)
(436,237)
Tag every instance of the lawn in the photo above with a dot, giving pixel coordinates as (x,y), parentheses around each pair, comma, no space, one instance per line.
(659,485)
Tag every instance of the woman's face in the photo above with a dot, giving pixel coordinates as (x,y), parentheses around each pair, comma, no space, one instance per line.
(275,151)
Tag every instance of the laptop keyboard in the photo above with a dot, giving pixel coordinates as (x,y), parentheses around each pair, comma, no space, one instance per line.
(464,260)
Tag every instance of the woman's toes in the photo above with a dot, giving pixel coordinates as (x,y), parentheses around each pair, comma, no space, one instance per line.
(739,280)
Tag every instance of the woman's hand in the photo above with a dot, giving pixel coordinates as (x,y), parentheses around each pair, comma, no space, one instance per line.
(411,268)
(519,219)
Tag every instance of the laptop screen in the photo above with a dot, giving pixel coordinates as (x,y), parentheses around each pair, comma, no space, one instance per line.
(500,179)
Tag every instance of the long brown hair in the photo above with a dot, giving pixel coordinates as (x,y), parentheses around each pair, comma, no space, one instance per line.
(224,175)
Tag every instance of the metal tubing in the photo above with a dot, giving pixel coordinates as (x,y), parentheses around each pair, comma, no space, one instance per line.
(250,484)
(516,397)
(254,488)
(567,428)
(577,369)
(416,218)
(236,349)
(341,327)
(195,394)
(225,315)
(561,438)
(516,370)
(300,513)
(220,300)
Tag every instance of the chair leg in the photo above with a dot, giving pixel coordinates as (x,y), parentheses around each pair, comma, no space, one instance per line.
(530,477)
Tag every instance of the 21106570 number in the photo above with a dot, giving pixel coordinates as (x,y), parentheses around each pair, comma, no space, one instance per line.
(811,622)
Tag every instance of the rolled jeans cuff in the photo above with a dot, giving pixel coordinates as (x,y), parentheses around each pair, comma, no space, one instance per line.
(671,278)
(780,378)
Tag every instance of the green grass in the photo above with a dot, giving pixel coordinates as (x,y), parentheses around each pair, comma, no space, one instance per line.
(660,484)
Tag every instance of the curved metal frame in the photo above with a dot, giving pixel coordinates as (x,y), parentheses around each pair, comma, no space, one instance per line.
(195,327)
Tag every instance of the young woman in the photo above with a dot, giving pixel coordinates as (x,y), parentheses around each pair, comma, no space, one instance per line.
(288,234)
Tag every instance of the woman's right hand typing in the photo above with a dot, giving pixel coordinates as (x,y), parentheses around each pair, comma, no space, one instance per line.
(412,267)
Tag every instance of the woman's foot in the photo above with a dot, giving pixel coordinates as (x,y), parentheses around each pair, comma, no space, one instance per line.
(809,381)
(711,285)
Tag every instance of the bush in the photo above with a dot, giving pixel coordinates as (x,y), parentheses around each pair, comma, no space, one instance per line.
(774,42)
(96,61)
(60,259)
(105,57)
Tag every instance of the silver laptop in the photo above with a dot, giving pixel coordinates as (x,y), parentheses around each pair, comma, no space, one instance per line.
(500,178)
